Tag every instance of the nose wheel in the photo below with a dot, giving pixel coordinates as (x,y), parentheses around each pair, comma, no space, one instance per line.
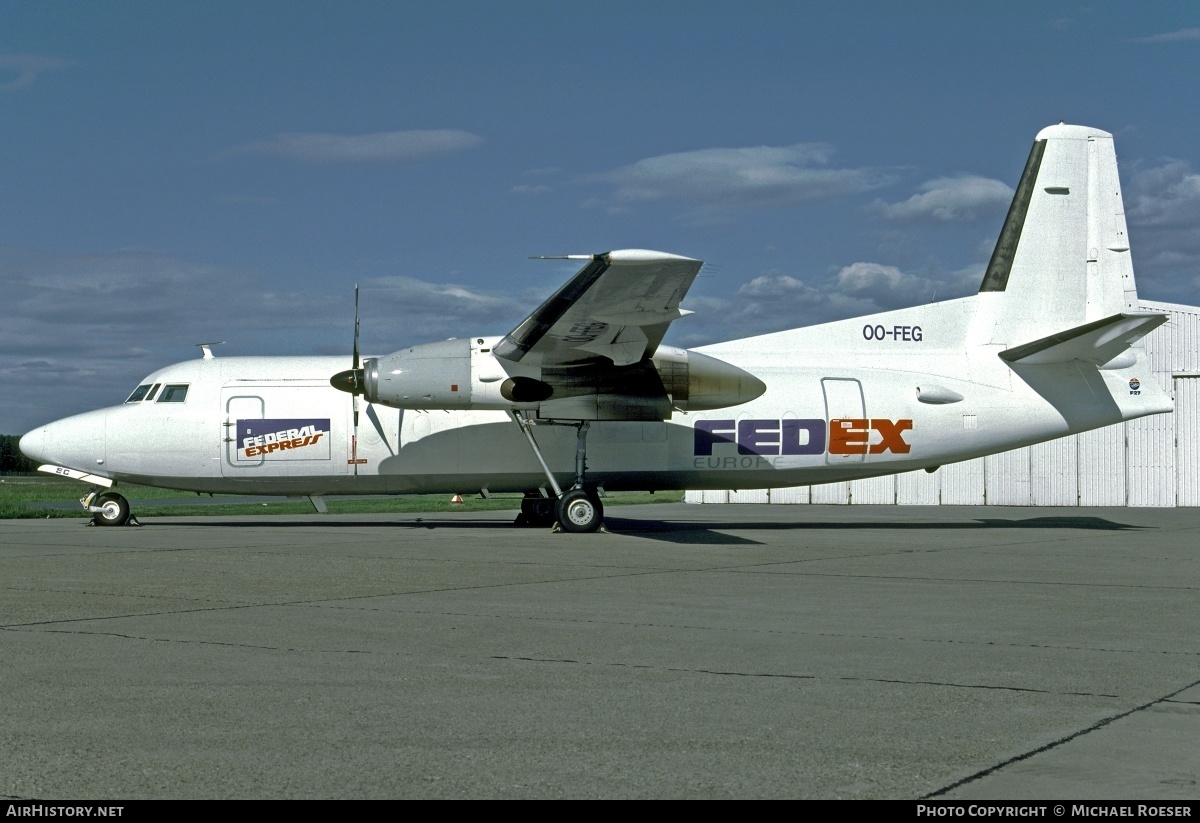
(109,509)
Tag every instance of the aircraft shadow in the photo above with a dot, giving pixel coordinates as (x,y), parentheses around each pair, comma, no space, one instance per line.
(693,532)
(704,531)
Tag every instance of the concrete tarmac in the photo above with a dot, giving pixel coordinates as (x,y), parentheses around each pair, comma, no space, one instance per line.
(734,651)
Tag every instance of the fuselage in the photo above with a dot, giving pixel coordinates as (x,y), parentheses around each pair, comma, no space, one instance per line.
(875,395)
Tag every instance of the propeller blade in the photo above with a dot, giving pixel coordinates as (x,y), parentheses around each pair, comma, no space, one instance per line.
(357,365)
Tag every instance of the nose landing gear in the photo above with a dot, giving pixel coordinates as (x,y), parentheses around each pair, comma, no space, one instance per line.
(108,509)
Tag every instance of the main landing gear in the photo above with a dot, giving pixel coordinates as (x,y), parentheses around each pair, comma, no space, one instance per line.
(580,510)
(108,509)
(576,510)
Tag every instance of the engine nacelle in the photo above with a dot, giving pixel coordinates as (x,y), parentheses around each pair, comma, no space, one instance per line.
(430,376)
(451,374)
(697,382)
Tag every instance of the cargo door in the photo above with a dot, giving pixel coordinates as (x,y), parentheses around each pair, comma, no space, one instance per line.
(284,429)
(849,430)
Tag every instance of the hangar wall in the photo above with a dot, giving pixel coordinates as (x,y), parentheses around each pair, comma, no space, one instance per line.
(1154,461)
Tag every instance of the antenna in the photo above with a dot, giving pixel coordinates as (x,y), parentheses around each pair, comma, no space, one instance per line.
(207,349)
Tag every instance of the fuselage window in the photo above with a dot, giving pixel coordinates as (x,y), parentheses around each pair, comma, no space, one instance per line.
(173,394)
(153,392)
(138,393)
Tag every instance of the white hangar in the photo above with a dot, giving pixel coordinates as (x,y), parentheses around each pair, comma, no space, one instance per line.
(1152,461)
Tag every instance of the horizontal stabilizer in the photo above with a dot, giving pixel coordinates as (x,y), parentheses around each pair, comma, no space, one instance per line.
(1096,342)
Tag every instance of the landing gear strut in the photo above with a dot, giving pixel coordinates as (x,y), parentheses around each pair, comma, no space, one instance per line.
(577,510)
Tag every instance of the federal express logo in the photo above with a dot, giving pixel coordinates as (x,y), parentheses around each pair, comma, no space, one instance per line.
(283,439)
(770,438)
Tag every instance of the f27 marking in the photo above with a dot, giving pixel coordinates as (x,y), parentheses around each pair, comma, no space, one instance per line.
(852,435)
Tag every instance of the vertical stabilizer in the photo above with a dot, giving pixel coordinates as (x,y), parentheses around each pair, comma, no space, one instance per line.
(1062,259)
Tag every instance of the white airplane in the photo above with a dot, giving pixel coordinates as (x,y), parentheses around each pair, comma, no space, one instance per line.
(1045,349)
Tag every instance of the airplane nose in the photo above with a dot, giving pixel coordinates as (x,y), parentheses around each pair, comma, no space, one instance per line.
(33,445)
(74,442)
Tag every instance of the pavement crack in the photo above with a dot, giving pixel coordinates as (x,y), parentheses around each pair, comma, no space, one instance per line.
(980,580)
(741,630)
(977,686)
(790,676)
(222,643)
(622,665)
(1056,743)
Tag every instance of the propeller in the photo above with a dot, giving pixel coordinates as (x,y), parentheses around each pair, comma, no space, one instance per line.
(352,381)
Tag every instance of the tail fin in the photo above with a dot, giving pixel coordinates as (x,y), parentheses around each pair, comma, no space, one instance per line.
(1062,261)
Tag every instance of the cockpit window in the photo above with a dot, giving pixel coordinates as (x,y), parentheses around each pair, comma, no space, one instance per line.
(173,394)
(153,391)
(138,393)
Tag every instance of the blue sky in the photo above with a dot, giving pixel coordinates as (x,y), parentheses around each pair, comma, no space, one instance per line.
(181,172)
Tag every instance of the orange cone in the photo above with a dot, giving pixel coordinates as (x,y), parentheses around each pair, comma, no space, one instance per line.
(456,500)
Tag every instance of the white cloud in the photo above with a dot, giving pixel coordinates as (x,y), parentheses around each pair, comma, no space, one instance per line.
(1171,36)
(1166,195)
(27,68)
(78,332)
(420,311)
(379,148)
(966,197)
(865,277)
(1162,206)
(778,300)
(755,177)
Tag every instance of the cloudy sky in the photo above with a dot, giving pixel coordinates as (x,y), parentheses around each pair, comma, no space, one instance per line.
(182,172)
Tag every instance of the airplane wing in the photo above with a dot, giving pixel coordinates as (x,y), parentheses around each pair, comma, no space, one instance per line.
(618,307)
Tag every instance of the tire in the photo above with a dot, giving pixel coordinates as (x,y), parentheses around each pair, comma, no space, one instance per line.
(580,511)
(539,511)
(114,510)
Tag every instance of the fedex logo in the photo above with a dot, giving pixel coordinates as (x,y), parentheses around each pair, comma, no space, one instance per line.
(788,437)
(283,439)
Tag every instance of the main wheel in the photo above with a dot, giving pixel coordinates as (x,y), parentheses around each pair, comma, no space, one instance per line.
(114,510)
(538,511)
(580,511)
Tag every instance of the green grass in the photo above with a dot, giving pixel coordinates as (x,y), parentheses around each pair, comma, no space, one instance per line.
(17,493)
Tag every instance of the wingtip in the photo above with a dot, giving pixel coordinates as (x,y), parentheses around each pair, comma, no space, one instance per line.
(645,256)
